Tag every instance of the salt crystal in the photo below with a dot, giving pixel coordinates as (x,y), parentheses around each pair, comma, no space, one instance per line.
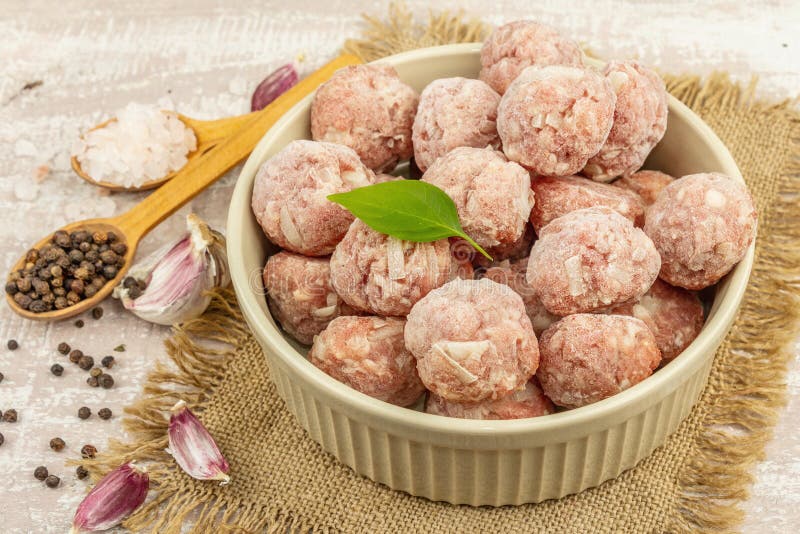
(142,145)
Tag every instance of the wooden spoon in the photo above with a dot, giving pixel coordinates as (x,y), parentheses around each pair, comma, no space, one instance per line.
(208,134)
(198,174)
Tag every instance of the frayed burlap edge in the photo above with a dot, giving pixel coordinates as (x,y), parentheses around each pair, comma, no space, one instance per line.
(719,469)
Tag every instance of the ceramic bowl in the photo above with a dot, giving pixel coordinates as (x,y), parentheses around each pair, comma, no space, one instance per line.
(469,461)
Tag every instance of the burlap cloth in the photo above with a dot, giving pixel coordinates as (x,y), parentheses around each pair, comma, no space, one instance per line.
(282,480)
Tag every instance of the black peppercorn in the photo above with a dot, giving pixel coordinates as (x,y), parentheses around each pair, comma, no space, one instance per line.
(77,287)
(110,271)
(23,300)
(106,381)
(119,248)
(97,312)
(92,256)
(40,473)
(61,238)
(57,444)
(86,362)
(75,256)
(12,344)
(75,356)
(104,413)
(129,282)
(52,481)
(56,369)
(85,247)
(1,377)
(96,372)
(38,306)
(134,292)
(99,237)
(107,362)
(81,472)
(109,257)
(63,348)
(10,416)
(60,303)
(2,439)
(84,412)
(24,284)
(90,291)
(11,288)
(88,451)
(79,323)
(92,381)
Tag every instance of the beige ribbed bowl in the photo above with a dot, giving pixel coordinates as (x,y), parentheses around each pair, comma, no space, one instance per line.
(468,461)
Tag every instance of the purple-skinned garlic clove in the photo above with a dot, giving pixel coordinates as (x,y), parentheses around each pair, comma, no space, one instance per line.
(112,499)
(193,448)
(273,86)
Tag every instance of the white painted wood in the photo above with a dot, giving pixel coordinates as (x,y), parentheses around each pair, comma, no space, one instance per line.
(94,56)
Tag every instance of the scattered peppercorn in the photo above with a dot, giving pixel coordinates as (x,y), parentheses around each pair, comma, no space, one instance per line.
(78,323)
(81,472)
(75,356)
(40,473)
(84,412)
(2,439)
(93,381)
(57,444)
(104,413)
(106,381)
(86,362)
(2,377)
(96,372)
(120,348)
(97,312)
(107,362)
(88,451)
(10,416)
(12,344)
(52,481)
(56,369)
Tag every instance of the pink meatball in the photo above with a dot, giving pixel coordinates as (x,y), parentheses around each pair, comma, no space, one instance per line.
(646,184)
(369,355)
(290,195)
(521,404)
(553,119)
(558,196)
(367,108)
(517,45)
(300,295)
(589,260)
(701,225)
(513,274)
(493,195)
(454,112)
(640,120)
(384,275)
(674,315)
(472,341)
(588,357)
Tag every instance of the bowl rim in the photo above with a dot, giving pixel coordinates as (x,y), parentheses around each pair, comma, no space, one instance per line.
(636,397)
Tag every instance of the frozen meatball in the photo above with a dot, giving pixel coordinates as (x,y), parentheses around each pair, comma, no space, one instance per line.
(493,195)
(558,196)
(367,108)
(553,119)
(521,404)
(290,195)
(513,274)
(384,275)
(454,112)
(300,295)
(701,225)
(472,341)
(640,120)
(517,45)
(589,260)
(646,184)
(369,355)
(588,357)
(674,315)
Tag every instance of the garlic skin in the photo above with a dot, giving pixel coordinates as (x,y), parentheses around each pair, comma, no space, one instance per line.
(178,276)
(193,448)
(112,499)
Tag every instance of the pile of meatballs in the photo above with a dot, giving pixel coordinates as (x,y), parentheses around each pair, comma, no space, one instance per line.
(596,263)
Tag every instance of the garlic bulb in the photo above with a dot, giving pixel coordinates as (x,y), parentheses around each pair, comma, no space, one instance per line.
(171,285)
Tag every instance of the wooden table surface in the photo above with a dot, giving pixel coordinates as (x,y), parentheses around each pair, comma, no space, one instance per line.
(94,56)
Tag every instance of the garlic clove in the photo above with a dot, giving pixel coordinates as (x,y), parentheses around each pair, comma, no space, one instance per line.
(113,498)
(193,448)
(178,276)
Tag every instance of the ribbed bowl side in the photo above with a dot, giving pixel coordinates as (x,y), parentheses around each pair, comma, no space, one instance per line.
(487,477)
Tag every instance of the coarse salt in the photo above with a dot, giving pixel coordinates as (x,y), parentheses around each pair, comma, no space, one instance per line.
(142,145)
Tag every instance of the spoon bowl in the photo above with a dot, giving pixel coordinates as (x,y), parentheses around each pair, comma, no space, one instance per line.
(208,134)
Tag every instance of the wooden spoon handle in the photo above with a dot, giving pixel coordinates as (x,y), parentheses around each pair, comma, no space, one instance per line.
(188,182)
(208,132)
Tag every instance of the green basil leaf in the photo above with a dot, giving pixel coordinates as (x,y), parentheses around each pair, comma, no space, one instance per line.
(406,209)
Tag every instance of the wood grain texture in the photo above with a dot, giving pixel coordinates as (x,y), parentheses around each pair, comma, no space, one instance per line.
(94,56)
